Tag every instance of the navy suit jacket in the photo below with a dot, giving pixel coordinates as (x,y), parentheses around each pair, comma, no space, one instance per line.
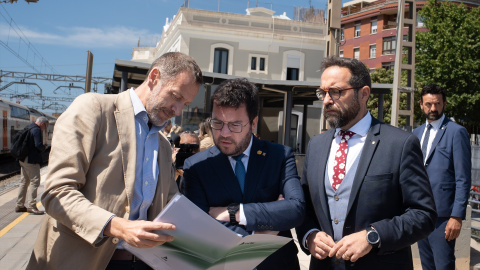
(449,168)
(210,181)
(390,191)
(35,144)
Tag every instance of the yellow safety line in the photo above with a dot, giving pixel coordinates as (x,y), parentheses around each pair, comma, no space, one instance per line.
(16,221)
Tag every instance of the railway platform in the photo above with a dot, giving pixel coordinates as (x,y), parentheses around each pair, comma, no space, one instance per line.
(18,232)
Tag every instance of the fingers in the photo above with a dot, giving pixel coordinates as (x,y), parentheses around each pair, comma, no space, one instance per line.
(319,244)
(141,233)
(351,247)
(280,198)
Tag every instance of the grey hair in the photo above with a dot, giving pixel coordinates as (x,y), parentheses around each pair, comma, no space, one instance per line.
(41,119)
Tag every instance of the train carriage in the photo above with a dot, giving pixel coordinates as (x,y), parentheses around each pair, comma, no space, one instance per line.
(16,117)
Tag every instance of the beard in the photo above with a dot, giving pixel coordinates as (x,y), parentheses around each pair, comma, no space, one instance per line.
(340,118)
(157,113)
(238,147)
(433,116)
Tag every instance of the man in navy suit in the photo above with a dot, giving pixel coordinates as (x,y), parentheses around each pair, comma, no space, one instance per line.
(249,185)
(367,192)
(447,158)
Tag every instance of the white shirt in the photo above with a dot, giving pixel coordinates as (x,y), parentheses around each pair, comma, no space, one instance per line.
(355,146)
(433,132)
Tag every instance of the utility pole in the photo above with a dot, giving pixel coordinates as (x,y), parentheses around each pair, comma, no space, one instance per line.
(88,77)
(334,28)
(406,21)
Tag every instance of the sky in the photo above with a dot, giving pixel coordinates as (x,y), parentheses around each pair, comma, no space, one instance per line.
(54,37)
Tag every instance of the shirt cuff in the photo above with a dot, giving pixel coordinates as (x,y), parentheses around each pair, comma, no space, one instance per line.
(101,236)
(243,219)
(304,242)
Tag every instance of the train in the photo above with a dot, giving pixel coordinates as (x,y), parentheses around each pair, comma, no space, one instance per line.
(15,117)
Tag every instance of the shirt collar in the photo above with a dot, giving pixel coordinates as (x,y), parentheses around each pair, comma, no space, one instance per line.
(136,102)
(361,127)
(437,123)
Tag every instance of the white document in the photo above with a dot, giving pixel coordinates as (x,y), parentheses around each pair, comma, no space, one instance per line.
(201,242)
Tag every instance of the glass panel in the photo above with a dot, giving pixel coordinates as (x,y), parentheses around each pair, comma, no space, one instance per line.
(253,64)
(262,63)
(292,74)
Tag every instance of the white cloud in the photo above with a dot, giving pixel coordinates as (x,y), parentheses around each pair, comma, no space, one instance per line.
(113,37)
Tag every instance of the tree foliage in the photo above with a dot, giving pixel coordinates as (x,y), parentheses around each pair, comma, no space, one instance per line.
(449,55)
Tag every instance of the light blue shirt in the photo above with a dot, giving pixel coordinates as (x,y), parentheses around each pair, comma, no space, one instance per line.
(146,167)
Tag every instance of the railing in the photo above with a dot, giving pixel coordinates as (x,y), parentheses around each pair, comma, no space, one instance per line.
(474,202)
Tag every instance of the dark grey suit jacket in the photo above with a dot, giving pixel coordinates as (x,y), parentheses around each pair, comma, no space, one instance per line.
(390,191)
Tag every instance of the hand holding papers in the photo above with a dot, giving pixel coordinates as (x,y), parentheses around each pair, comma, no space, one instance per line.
(201,242)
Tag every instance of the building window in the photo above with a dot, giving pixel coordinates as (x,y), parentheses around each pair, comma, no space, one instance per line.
(420,21)
(374,26)
(342,34)
(373,51)
(356,53)
(388,65)
(357,30)
(258,63)
(389,45)
(222,57)
(341,54)
(220,64)
(293,65)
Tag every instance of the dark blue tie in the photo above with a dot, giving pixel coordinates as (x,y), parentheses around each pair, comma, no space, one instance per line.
(240,170)
(425,141)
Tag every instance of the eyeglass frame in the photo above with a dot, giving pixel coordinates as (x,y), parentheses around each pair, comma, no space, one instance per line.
(228,125)
(339,92)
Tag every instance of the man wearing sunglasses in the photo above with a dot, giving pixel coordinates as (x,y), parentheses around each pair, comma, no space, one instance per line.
(367,192)
(249,185)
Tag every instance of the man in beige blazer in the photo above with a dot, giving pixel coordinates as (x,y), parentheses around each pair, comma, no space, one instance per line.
(92,171)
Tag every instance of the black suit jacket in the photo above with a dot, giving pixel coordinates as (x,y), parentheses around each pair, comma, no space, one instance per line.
(390,191)
(210,181)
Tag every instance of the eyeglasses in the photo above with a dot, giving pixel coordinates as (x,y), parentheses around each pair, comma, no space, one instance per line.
(334,93)
(234,127)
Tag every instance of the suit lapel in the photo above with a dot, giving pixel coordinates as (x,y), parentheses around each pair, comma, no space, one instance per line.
(220,164)
(256,162)
(371,144)
(124,118)
(317,186)
(438,137)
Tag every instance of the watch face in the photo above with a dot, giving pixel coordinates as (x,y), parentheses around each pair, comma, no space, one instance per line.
(372,237)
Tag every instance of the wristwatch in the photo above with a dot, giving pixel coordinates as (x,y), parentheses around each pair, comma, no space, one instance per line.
(372,237)
(232,211)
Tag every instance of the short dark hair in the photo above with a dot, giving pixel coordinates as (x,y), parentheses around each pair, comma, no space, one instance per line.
(173,63)
(434,90)
(235,92)
(360,73)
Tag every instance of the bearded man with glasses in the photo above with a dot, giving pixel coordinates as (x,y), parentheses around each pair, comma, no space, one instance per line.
(249,185)
(367,192)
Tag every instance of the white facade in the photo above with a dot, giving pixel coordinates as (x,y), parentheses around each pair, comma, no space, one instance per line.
(258,45)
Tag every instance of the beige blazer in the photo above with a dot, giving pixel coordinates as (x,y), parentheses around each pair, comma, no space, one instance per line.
(91,176)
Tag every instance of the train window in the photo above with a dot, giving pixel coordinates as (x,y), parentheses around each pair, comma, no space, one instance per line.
(19,113)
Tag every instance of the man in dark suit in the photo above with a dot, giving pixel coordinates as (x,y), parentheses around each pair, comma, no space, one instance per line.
(447,157)
(367,192)
(248,184)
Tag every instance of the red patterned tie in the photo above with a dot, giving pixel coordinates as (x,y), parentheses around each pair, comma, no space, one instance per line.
(341,158)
